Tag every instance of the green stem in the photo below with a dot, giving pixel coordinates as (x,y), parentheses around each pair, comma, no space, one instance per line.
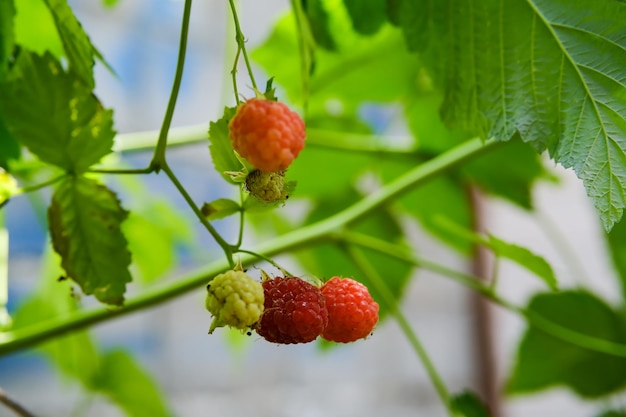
(218,238)
(476,284)
(268,260)
(159,152)
(389,300)
(321,231)
(304,46)
(241,47)
(131,171)
(39,186)
(242,215)
(14,406)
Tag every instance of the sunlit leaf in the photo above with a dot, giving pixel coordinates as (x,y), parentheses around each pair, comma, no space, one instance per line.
(85,220)
(36,14)
(544,360)
(56,118)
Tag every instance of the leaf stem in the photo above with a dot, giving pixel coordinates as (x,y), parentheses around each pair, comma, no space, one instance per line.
(388,298)
(266,259)
(218,238)
(321,231)
(131,171)
(241,48)
(39,186)
(159,152)
(242,215)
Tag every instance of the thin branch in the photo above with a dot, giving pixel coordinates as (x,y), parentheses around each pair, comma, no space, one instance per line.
(159,152)
(14,406)
(321,231)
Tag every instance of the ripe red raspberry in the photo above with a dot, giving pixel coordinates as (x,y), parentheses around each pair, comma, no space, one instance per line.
(295,311)
(352,312)
(267,134)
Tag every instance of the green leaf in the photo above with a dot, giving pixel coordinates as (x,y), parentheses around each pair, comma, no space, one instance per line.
(56,118)
(36,14)
(78,48)
(130,386)
(544,360)
(553,71)
(84,219)
(469,405)
(367,15)
(318,19)
(9,148)
(524,257)
(220,208)
(518,254)
(222,153)
(7,35)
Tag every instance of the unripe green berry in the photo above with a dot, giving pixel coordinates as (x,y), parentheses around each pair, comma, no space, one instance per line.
(267,186)
(235,299)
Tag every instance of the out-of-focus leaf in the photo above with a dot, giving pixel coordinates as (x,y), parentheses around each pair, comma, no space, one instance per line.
(7,34)
(76,44)
(318,17)
(56,118)
(129,386)
(36,14)
(84,219)
(367,15)
(220,208)
(613,413)
(518,254)
(9,147)
(469,405)
(544,360)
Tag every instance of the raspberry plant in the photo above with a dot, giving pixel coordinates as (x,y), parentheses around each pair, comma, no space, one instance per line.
(482,87)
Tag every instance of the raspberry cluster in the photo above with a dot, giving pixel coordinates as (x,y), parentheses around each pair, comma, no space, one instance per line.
(295,311)
(267,134)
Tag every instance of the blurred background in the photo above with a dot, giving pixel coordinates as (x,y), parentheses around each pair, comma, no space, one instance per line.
(227,375)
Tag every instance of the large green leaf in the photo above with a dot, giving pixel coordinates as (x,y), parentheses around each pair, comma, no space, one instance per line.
(55,117)
(84,219)
(78,48)
(552,70)
(544,360)
(9,148)
(128,385)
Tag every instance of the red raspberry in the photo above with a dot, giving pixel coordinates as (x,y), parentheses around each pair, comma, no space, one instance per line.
(352,312)
(295,311)
(267,134)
